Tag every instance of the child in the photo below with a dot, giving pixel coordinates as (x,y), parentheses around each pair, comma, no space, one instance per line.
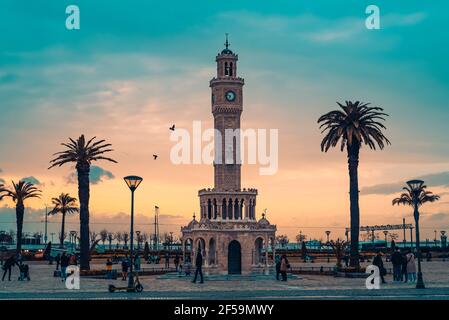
(24,272)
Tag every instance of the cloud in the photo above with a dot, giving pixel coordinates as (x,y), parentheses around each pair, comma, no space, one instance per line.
(436,217)
(97,175)
(440,179)
(32,180)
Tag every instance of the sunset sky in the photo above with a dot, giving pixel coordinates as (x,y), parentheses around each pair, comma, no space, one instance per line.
(137,67)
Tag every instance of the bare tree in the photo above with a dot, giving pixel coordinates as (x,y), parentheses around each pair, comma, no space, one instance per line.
(103,236)
(110,237)
(119,238)
(125,238)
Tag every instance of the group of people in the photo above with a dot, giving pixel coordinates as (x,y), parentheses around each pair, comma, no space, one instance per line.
(281,265)
(24,270)
(63,261)
(404,266)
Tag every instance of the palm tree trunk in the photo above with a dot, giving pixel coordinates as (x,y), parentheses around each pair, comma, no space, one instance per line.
(83,195)
(61,244)
(353,163)
(20,209)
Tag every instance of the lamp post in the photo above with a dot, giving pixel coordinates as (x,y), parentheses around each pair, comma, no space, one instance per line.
(411,237)
(138,240)
(386,241)
(443,239)
(46,222)
(435,239)
(327,234)
(415,187)
(132,182)
(73,240)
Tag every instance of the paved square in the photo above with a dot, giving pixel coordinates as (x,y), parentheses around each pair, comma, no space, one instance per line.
(169,286)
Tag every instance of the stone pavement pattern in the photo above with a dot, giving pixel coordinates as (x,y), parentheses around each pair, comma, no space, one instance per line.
(43,285)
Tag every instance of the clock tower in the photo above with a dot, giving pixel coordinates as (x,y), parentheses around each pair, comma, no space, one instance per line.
(227,106)
(228,235)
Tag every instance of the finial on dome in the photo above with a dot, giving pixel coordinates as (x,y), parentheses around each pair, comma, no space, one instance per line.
(194,216)
(264,213)
(227,45)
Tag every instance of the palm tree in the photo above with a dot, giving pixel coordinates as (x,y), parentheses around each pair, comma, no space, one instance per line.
(416,197)
(19,193)
(64,204)
(356,124)
(83,154)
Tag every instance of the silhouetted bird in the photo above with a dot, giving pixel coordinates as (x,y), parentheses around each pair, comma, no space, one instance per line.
(172,128)
(155,156)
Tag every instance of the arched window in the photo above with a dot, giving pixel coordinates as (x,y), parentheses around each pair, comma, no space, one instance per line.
(224,209)
(231,69)
(209,209)
(226,69)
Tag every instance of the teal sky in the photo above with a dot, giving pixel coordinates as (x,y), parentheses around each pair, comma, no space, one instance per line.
(147,64)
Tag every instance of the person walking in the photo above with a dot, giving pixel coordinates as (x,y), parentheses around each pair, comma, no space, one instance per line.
(284,267)
(199,267)
(404,276)
(58,261)
(24,272)
(277,261)
(64,264)
(109,269)
(187,267)
(125,266)
(167,260)
(7,267)
(176,261)
(411,267)
(377,261)
(396,260)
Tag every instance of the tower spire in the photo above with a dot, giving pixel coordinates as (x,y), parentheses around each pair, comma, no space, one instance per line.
(227,42)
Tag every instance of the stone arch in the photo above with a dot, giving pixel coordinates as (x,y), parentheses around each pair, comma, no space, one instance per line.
(234,257)
(224,209)
(236,209)
(212,254)
(187,249)
(230,209)
(215,213)
(258,251)
(209,208)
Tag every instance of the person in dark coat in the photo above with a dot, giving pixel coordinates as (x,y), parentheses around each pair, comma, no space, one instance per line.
(277,261)
(404,268)
(7,267)
(199,267)
(58,261)
(377,261)
(65,259)
(396,260)
(176,261)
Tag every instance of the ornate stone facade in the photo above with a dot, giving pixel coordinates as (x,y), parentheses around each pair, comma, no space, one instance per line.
(228,234)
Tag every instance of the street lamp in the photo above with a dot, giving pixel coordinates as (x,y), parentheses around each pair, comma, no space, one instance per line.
(416,187)
(73,240)
(386,242)
(327,234)
(132,182)
(138,240)
(435,240)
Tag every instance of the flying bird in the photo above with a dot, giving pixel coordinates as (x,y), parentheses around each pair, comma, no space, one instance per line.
(155,156)
(172,128)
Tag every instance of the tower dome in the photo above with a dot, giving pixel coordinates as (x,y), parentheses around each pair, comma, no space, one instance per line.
(263,221)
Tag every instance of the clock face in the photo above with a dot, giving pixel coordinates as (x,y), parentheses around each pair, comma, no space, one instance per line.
(230,95)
